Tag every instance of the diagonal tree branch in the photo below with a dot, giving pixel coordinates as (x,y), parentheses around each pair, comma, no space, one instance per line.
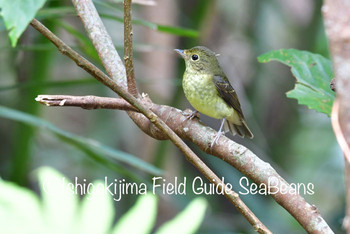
(88,13)
(101,40)
(142,107)
(89,16)
(231,152)
(111,59)
(236,155)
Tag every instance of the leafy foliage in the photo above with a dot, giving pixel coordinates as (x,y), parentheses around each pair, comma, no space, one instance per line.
(98,151)
(188,221)
(146,204)
(313,75)
(60,210)
(17,14)
(10,10)
(179,31)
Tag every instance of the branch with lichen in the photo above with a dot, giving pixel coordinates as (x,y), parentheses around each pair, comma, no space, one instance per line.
(236,155)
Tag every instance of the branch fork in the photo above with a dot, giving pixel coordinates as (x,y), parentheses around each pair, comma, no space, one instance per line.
(151,118)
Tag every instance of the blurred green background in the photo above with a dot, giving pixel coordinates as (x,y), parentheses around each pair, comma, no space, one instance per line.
(297,142)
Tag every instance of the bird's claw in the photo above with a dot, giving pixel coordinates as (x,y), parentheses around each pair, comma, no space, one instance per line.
(215,141)
(190,116)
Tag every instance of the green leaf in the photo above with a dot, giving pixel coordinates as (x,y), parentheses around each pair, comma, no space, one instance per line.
(17,14)
(177,31)
(50,84)
(99,151)
(188,221)
(20,210)
(313,74)
(97,203)
(59,211)
(143,213)
(54,12)
(84,43)
(59,206)
(158,27)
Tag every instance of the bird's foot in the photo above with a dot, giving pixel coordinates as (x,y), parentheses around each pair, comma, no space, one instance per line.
(215,141)
(218,134)
(190,114)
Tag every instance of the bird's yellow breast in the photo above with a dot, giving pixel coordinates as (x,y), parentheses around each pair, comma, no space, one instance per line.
(201,92)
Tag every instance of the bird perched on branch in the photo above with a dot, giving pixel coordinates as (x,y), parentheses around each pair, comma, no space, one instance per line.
(209,91)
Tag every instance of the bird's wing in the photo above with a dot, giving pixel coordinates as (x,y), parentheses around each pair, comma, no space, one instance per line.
(227,93)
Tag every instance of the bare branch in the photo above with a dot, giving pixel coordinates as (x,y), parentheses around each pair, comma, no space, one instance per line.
(128,57)
(101,40)
(85,102)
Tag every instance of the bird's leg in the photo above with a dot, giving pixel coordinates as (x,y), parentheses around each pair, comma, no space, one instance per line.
(218,134)
(190,115)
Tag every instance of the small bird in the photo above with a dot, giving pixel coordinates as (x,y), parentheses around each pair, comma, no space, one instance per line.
(209,91)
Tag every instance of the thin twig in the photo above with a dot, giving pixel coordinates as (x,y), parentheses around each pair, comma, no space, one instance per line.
(128,56)
(85,102)
(77,58)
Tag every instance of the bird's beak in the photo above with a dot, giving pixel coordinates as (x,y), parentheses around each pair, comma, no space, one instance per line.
(180,52)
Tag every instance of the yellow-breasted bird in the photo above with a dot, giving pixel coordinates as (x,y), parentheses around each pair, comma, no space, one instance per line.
(209,91)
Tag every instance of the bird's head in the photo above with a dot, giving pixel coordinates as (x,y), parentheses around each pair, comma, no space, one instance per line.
(200,59)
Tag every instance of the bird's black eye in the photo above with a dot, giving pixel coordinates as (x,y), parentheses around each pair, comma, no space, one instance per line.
(195,57)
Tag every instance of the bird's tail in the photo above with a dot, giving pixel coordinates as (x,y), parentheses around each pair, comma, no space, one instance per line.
(241,130)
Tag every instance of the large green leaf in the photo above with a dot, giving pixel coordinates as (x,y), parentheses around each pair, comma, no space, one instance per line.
(94,148)
(20,209)
(59,205)
(188,221)
(96,213)
(58,210)
(144,212)
(17,15)
(313,75)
